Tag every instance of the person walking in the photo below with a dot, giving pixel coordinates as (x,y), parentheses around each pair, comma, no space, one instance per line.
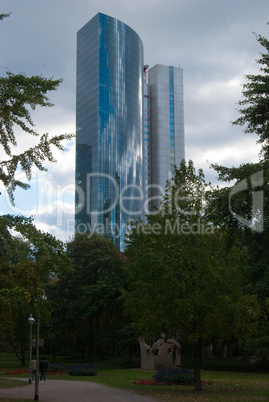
(43,366)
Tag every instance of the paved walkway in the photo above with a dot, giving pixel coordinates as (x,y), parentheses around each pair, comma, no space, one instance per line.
(72,391)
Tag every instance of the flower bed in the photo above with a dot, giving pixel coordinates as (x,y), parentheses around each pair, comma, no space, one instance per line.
(177,376)
(152,382)
(148,382)
(58,368)
(26,370)
(17,371)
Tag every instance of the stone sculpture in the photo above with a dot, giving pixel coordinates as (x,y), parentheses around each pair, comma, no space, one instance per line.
(163,354)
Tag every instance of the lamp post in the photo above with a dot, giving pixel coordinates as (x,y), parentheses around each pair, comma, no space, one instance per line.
(37,351)
(31,321)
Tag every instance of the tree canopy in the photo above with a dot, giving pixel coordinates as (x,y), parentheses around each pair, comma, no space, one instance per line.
(255,103)
(29,259)
(87,307)
(184,278)
(242,208)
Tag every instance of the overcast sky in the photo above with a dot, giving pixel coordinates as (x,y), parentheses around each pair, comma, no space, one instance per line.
(212,40)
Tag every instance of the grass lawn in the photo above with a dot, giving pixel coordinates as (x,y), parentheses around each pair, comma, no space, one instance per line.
(226,385)
(5,383)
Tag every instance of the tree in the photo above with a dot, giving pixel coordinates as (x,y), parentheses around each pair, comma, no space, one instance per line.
(2,16)
(183,276)
(256,101)
(236,215)
(18,95)
(29,259)
(253,230)
(86,301)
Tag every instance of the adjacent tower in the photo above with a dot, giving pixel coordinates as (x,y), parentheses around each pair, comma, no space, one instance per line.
(167,144)
(109,119)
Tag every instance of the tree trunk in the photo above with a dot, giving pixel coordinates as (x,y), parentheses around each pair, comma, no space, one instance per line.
(197,366)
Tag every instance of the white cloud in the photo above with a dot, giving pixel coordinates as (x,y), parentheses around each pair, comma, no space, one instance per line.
(215,91)
(56,218)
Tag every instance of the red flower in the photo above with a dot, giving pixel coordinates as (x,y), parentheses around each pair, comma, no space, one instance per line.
(18,371)
(152,382)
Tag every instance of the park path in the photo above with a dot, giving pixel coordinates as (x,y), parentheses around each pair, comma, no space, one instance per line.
(72,391)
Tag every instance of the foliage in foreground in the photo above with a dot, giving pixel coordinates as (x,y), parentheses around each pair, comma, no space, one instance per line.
(254,105)
(185,281)
(29,259)
(19,95)
(247,196)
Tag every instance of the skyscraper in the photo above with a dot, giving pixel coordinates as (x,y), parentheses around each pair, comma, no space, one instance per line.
(166,133)
(130,130)
(109,117)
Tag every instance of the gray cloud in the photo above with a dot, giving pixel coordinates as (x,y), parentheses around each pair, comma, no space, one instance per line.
(212,40)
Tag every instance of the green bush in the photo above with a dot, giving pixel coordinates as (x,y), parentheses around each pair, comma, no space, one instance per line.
(82,370)
(177,376)
(53,367)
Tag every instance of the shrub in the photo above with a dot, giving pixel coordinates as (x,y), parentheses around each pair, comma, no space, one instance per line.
(82,370)
(54,366)
(177,376)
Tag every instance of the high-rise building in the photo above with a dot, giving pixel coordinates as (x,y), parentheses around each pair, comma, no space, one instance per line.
(130,130)
(109,118)
(166,133)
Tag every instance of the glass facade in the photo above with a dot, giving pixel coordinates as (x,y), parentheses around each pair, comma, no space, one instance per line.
(147,178)
(167,146)
(109,144)
(171,119)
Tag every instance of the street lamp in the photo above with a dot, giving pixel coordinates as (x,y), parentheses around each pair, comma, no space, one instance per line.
(37,350)
(31,321)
